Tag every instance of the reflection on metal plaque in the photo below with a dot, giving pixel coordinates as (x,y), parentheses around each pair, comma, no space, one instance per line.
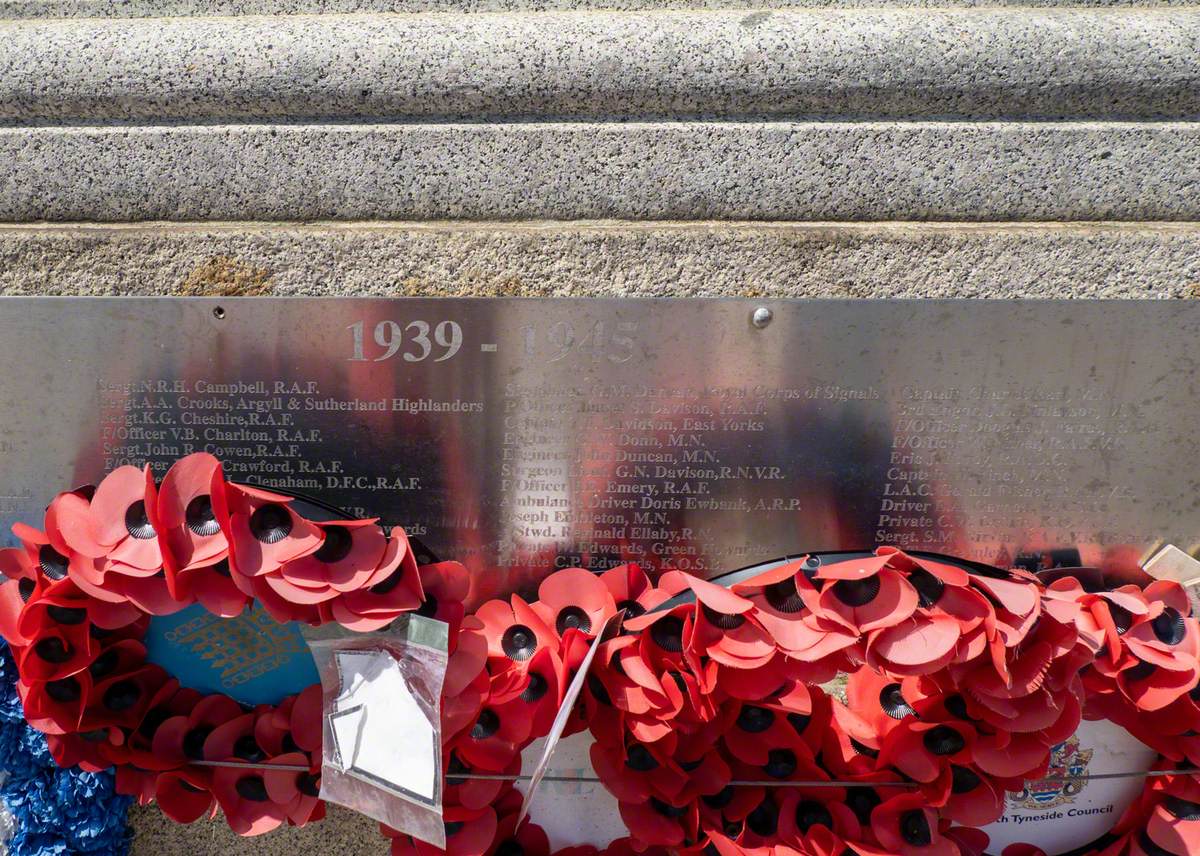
(521,435)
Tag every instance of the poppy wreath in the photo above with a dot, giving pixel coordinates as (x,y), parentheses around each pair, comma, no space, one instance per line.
(961,678)
(77,600)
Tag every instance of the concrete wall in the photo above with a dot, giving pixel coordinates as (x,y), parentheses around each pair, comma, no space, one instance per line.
(904,148)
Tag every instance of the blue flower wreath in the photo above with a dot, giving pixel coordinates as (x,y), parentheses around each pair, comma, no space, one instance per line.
(56,811)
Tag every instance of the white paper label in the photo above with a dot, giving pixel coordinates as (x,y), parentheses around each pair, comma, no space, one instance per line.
(1059,816)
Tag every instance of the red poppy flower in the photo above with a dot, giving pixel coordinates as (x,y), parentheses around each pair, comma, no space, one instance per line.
(1019,699)
(973,842)
(638,772)
(1008,755)
(661,637)
(877,701)
(463,836)
(56,652)
(242,795)
(971,798)
(277,605)
(17,563)
(708,772)
(811,820)
(236,740)
(213,586)
(151,594)
(402,844)
(728,808)
(527,839)
(392,589)
(468,833)
(460,711)
(1107,616)
(923,750)
(1151,687)
(61,604)
(168,701)
(39,560)
(632,590)
(14,594)
(654,821)
(761,828)
(723,624)
(865,594)
(185,795)
(851,745)
(83,750)
(186,516)
(1023,850)
(468,658)
(56,707)
(1173,827)
(445,586)
(905,825)
(514,631)
(603,683)
(262,529)
(763,680)
(297,792)
(125,536)
(123,699)
(71,526)
(474,793)
(305,719)
(785,600)
(350,552)
(1166,640)
(918,645)
(759,730)
(537,694)
(182,738)
(574,598)
(139,784)
(493,740)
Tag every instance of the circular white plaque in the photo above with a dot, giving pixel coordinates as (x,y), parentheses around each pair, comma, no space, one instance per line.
(1060,815)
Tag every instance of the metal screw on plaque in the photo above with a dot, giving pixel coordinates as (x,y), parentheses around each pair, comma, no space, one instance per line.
(219,312)
(762,317)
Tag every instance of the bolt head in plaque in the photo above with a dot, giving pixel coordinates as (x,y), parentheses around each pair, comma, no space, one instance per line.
(761,317)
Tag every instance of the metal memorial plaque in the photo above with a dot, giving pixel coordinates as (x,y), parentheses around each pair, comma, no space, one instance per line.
(522,435)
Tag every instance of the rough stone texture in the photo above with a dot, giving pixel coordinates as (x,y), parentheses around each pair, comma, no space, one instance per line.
(158,8)
(982,64)
(642,171)
(342,833)
(606,259)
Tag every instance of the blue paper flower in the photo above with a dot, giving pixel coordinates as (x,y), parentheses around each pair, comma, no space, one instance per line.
(56,811)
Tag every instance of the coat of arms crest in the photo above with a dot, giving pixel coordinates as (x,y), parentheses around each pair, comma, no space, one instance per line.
(1065,779)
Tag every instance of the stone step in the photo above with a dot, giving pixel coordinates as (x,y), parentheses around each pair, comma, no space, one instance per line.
(583,170)
(188,8)
(606,66)
(611,259)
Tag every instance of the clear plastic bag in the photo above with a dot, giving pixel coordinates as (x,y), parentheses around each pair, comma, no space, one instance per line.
(382,724)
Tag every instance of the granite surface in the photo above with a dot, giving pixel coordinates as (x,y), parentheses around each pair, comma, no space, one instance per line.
(341,833)
(636,170)
(883,63)
(160,8)
(606,259)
